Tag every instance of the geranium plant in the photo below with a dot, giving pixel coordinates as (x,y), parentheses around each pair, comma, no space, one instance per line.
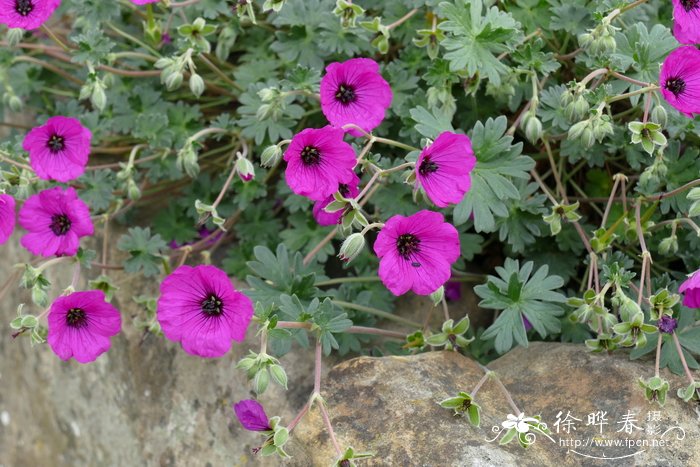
(335,155)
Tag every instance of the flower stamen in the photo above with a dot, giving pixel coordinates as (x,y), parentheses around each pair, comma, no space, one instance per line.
(60,224)
(212,306)
(345,94)
(310,155)
(56,143)
(676,85)
(76,318)
(24,7)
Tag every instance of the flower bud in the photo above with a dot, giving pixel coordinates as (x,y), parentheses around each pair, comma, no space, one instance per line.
(15,103)
(173,81)
(132,190)
(245,169)
(14,36)
(659,115)
(585,39)
(196,85)
(98,98)
(587,138)
(271,155)
(576,130)
(581,107)
(608,44)
(533,129)
(268,94)
(566,98)
(668,245)
(352,247)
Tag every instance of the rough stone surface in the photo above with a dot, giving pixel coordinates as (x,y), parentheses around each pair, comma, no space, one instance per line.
(145,402)
(389,406)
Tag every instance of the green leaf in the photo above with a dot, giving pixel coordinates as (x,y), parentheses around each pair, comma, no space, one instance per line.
(521,294)
(473,40)
(145,251)
(429,124)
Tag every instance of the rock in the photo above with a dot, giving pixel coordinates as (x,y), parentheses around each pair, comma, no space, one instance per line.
(389,406)
(145,402)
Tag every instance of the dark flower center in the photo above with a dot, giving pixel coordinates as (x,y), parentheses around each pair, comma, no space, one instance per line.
(212,306)
(344,189)
(76,318)
(427,167)
(56,143)
(689,5)
(60,224)
(345,94)
(310,156)
(676,85)
(24,7)
(408,245)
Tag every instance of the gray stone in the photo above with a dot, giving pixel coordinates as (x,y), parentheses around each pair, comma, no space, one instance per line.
(389,406)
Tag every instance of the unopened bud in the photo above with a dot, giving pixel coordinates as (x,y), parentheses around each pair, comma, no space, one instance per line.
(533,129)
(14,36)
(98,98)
(196,85)
(270,156)
(245,169)
(173,81)
(659,115)
(15,103)
(352,247)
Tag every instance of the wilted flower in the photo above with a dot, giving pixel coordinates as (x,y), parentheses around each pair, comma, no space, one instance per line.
(354,92)
(680,80)
(55,220)
(59,149)
(667,324)
(199,307)
(80,325)
(26,14)
(252,415)
(686,21)
(7,217)
(416,252)
(318,161)
(443,168)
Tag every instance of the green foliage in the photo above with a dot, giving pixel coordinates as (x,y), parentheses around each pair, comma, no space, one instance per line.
(518,294)
(499,162)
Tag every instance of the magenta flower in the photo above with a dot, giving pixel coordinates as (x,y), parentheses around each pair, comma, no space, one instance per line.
(80,325)
(355,92)
(443,168)
(144,2)
(691,290)
(59,149)
(318,161)
(199,307)
(7,217)
(416,252)
(680,80)
(26,14)
(348,190)
(252,415)
(686,21)
(55,220)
